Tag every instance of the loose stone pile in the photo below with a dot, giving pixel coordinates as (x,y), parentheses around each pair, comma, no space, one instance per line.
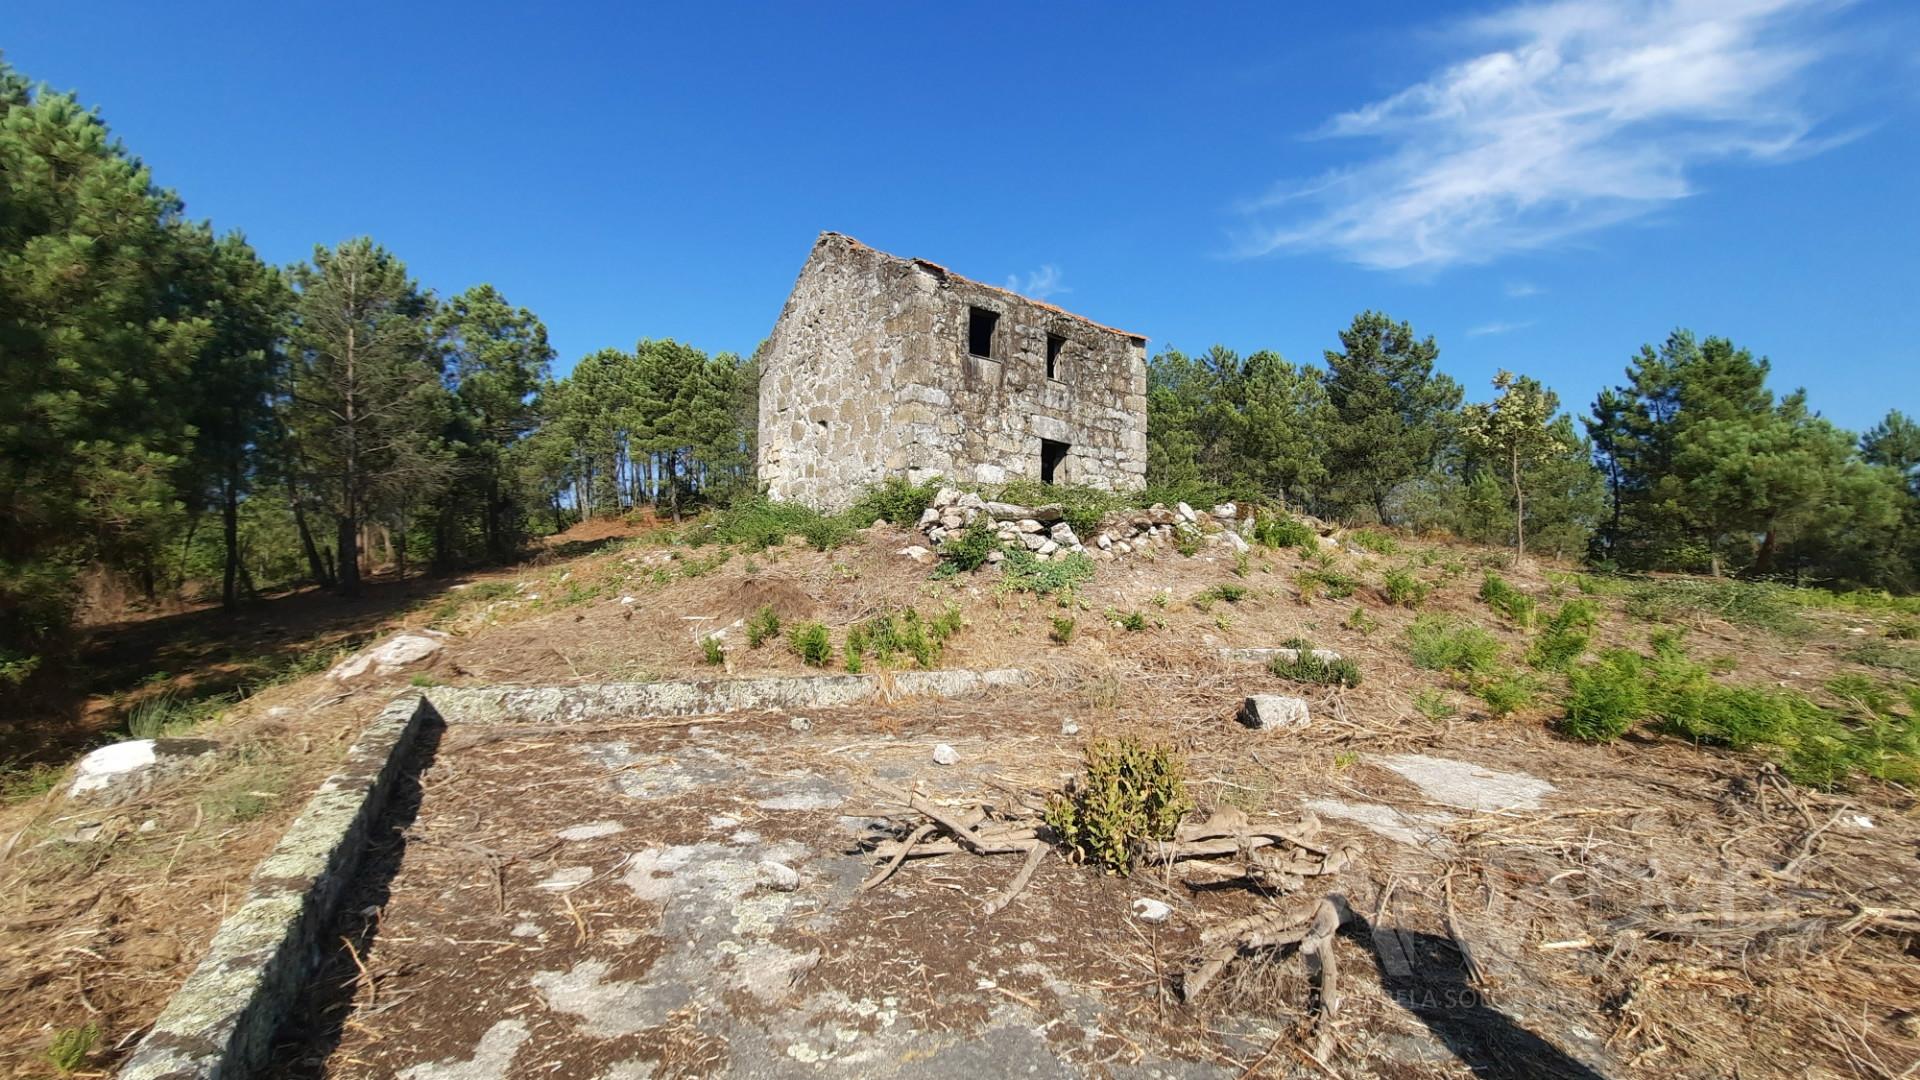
(1044,531)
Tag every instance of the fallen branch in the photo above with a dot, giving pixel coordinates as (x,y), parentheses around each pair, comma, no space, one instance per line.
(1005,896)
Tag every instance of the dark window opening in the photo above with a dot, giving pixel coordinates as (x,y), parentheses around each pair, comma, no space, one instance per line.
(980,324)
(1051,455)
(1054,344)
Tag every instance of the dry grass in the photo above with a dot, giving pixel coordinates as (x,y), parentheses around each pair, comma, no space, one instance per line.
(101,930)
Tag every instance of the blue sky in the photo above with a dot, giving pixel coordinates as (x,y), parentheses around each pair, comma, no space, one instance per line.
(1543,187)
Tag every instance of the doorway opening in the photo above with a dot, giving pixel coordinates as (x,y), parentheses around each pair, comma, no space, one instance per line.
(1051,455)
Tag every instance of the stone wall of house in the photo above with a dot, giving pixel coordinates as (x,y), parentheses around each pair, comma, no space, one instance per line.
(868,374)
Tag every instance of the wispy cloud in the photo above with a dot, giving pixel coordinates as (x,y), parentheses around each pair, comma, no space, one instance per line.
(1489,329)
(1520,290)
(1577,115)
(1039,284)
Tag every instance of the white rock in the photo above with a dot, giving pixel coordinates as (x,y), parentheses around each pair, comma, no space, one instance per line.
(122,769)
(397,653)
(778,875)
(1033,541)
(919,554)
(1104,541)
(1226,511)
(945,755)
(1008,511)
(1149,910)
(800,723)
(929,516)
(1123,548)
(1186,512)
(1467,785)
(996,555)
(1062,534)
(1274,712)
(592,830)
(1070,728)
(945,497)
(1047,547)
(627,601)
(1028,525)
(1233,539)
(970,501)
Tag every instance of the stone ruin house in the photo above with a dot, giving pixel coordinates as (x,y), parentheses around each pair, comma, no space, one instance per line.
(881,366)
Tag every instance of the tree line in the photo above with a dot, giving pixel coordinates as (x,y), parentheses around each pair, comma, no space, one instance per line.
(1692,464)
(174,409)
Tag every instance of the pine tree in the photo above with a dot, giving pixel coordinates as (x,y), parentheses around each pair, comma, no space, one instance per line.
(1517,430)
(498,357)
(1391,414)
(363,379)
(99,348)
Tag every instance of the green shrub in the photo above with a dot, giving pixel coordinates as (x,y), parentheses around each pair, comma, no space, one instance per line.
(1329,583)
(762,626)
(1061,573)
(1882,655)
(71,1046)
(1565,636)
(1134,621)
(1439,643)
(1359,619)
(1433,705)
(1132,793)
(812,643)
(20,782)
(895,500)
(1061,631)
(1374,540)
(167,713)
(1519,608)
(1606,698)
(1754,604)
(893,633)
(1308,668)
(1281,531)
(967,550)
(759,523)
(824,532)
(1506,691)
(713,651)
(1904,630)
(1401,588)
(1081,507)
(1186,541)
(1228,591)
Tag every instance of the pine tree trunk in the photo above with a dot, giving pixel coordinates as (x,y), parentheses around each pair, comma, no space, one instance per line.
(230,536)
(1519,512)
(348,542)
(321,575)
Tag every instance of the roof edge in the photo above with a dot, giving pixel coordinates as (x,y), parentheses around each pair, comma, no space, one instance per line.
(944,273)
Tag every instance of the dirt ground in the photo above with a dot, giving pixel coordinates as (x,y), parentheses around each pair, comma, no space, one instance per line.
(1662,910)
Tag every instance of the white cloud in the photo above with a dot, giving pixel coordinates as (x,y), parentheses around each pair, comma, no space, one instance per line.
(1489,329)
(1040,284)
(1520,290)
(1581,114)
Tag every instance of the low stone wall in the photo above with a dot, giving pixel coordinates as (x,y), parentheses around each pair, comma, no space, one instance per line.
(221,1022)
(582,704)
